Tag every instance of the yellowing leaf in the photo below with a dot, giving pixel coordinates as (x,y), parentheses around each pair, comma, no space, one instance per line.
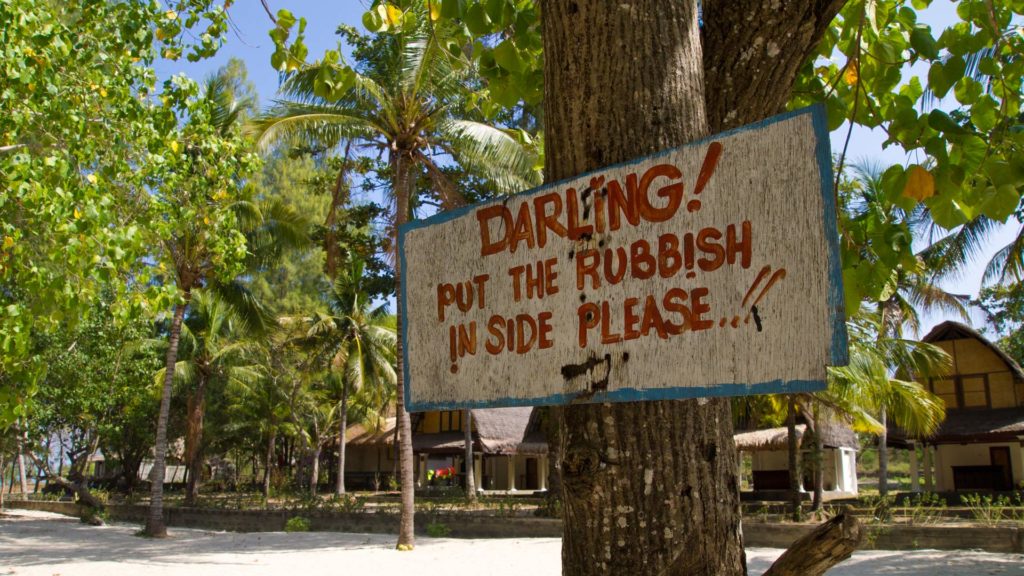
(77,214)
(206,220)
(394,14)
(174,146)
(851,75)
(435,9)
(8,242)
(91,178)
(171,15)
(920,184)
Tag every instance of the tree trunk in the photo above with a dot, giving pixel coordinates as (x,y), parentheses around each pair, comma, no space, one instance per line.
(818,461)
(314,469)
(794,461)
(194,441)
(827,545)
(22,473)
(883,456)
(650,487)
(467,425)
(155,526)
(342,426)
(269,463)
(3,470)
(403,170)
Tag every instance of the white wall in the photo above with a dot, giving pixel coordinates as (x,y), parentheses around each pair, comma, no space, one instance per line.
(949,455)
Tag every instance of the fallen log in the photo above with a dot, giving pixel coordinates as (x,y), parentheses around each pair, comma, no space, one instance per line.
(827,545)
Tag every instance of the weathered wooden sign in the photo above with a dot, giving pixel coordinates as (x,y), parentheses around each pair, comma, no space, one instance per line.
(707,270)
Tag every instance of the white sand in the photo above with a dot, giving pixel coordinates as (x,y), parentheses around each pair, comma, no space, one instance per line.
(39,543)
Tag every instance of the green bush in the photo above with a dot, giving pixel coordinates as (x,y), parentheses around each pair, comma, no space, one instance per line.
(297,524)
(438,530)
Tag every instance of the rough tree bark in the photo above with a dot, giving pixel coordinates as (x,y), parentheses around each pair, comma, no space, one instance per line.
(648,488)
(155,525)
(339,487)
(826,546)
(651,488)
(883,455)
(194,441)
(467,425)
(268,463)
(818,459)
(403,170)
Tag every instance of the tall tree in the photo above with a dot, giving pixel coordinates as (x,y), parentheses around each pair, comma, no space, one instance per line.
(358,344)
(202,202)
(213,352)
(637,498)
(407,107)
(83,139)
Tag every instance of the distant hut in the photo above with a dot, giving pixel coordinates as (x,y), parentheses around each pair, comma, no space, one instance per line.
(980,445)
(509,450)
(769,455)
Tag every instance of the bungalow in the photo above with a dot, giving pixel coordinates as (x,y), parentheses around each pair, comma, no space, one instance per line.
(509,450)
(980,445)
(768,451)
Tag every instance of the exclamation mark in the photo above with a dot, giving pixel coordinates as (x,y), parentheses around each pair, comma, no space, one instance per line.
(710,163)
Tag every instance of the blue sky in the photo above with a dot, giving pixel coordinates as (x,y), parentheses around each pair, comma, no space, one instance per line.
(248,41)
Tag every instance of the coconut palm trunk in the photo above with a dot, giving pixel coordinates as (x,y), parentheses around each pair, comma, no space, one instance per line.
(402,165)
(339,488)
(818,460)
(155,525)
(194,441)
(794,461)
(883,455)
(467,424)
(269,461)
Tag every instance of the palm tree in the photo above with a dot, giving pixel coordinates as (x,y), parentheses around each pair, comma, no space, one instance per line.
(409,108)
(359,346)
(213,350)
(195,244)
(910,286)
(875,387)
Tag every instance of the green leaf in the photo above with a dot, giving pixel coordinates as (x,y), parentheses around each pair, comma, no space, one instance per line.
(506,55)
(945,212)
(453,8)
(923,43)
(477,20)
(1000,202)
(372,20)
(939,120)
(984,114)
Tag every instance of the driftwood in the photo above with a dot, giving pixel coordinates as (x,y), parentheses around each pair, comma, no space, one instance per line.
(827,545)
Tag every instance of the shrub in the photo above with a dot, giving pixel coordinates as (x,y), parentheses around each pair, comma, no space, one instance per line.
(438,530)
(296,524)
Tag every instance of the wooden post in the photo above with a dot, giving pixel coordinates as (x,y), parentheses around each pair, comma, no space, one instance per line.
(929,484)
(915,480)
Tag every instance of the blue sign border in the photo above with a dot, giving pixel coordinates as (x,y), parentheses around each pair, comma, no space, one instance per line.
(836,303)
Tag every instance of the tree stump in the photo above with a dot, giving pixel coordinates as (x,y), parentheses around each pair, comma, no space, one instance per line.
(827,545)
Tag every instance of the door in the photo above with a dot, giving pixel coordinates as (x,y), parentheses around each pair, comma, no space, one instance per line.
(1002,479)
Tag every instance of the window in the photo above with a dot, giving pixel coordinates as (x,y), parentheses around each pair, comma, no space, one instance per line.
(964,391)
(451,421)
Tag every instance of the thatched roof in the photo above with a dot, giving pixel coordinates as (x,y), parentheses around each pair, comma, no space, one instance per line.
(359,435)
(835,433)
(950,330)
(498,431)
(767,439)
(970,426)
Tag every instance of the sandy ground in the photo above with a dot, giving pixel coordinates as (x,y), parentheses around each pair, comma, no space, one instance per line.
(39,543)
